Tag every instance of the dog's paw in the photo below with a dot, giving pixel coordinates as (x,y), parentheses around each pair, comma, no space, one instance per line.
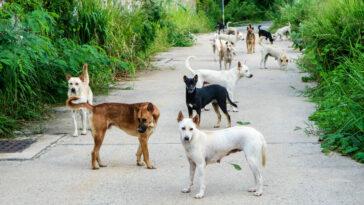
(102,165)
(252,189)
(95,168)
(75,134)
(216,126)
(235,110)
(151,167)
(84,132)
(140,163)
(199,196)
(186,190)
(258,193)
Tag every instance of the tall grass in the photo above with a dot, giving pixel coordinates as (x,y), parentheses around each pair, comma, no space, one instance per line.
(332,38)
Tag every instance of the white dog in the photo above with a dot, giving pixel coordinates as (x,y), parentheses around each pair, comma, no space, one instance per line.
(227,78)
(79,87)
(207,147)
(278,53)
(282,32)
(232,38)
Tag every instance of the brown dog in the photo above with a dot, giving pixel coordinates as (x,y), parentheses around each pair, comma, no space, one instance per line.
(250,39)
(139,119)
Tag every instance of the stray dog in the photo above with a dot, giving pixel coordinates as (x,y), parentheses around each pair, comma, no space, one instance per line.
(266,34)
(207,147)
(278,53)
(232,38)
(231,30)
(250,39)
(283,31)
(79,87)
(219,27)
(225,51)
(198,98)
(139,119)
(227,79)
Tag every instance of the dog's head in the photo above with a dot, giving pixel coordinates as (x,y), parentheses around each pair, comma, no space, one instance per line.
(145,117)
(190,83)
(187,127)
(229,46)
(283,61)
(250,30)
(244,71)
(240,36)
(75,83)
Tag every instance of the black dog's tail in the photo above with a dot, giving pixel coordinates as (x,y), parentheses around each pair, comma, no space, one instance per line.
(231,102)
(259,27)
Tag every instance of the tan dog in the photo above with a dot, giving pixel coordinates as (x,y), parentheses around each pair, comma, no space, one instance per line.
(225,51)
(79,87)
(139,119)
(250,39)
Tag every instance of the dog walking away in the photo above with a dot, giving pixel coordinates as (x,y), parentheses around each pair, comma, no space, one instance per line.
(198,98)
(278,53)
(208,147)
(283,32)
(250,39)
(79,87)
(266,34)
(227,79)
(139,119)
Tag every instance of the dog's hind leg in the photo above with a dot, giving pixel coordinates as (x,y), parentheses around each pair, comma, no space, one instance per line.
(251,156)
(222,105)
(98,135)
(265,61)
(84,120)
(216,108)
(74,117)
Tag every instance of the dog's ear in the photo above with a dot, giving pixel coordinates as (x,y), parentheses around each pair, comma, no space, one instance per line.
(247,28)
(180,116)
(185,78)
(82,77)
(196,120)
(150,107)
(68,76)
(195,78)
(227,42)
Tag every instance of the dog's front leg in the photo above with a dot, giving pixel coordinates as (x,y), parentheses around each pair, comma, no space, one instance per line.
(190,110)
(84,119)
(143,141)
(192,175)
(74,116)
(201,176)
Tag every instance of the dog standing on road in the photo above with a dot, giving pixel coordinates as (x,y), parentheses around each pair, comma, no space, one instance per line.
(278,53)
(283,32)
(79,87)
(227,79)
(250,39)
(225,51)
(208,147)
(198,98)
(139,119)
(266,34)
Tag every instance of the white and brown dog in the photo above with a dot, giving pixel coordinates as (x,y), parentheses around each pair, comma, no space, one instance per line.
(225,78)
(207,147)
(284,31)
(234,38)
(79,87)
(269,50)
(225,50)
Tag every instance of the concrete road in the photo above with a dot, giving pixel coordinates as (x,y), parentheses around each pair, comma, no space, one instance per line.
(296,172)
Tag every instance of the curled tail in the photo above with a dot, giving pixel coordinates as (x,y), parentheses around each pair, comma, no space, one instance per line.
(73,106)
(259,27)
(187,64)
(264,150)
(227,25)
(230,101)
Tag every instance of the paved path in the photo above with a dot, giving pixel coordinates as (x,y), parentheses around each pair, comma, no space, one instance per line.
(296,172)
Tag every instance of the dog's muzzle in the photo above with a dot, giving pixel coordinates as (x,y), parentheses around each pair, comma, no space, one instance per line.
(250,76)
(142,128)
(187,138)
(73,90)
(190,90)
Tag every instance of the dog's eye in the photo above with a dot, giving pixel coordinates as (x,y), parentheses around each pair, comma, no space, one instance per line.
(70,83)
(76,84)
(138,119)
(191,129)
(144,120)
(281,60)
(183,128)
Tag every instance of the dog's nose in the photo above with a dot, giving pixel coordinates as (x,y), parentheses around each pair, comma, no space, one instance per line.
(187,138)
(73,90)
(140,130)
(251,75)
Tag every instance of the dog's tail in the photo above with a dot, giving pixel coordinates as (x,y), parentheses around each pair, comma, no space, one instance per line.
(289,24)
(74,106)
(227,25)
(259,27)
(187,64)
(264,150)
(230,101)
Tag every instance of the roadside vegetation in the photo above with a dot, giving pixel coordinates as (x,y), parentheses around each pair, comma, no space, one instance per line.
(331,34)
(41,41)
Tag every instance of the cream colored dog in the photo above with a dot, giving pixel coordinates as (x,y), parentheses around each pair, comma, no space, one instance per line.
(238,36)
(207,147)
(79,87)
(282,32)
(278,53)
(225,50)
(227,78)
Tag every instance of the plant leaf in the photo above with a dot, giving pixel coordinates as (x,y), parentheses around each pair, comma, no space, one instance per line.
(236,166)
(243,123)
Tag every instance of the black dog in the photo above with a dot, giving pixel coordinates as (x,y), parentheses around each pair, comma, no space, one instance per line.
(266,34)
(219,27)
(198,98)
